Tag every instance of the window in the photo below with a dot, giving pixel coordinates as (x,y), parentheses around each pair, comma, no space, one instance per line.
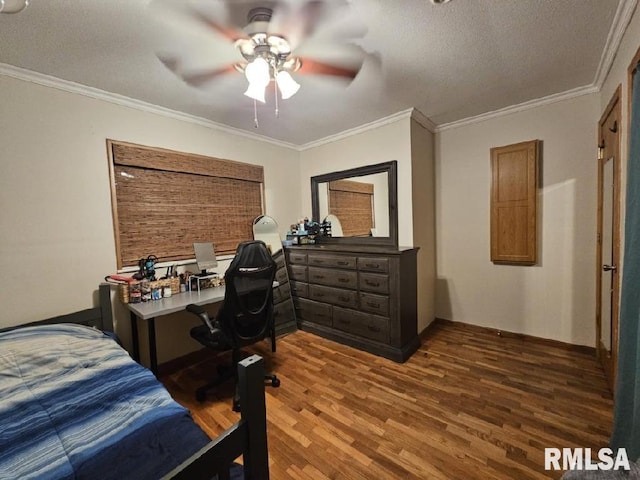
(163,201)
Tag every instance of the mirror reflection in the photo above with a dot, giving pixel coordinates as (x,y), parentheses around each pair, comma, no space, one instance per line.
(356,207)
(361,203)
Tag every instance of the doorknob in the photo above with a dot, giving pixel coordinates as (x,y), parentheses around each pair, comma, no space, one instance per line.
(608,268)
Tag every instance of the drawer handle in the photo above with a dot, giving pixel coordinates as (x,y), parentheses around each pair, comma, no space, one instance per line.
(318,276)
(344,298)
(373,329)
(319,294)
(373,304)
(342,320)
(342,262)
(372,265)
(343,280)
(373,284)
(318,262)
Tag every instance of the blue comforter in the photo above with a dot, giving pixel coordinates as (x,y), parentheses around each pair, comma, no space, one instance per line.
(73,405)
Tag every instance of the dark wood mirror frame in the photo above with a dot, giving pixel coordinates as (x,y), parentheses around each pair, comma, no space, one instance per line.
(390,168)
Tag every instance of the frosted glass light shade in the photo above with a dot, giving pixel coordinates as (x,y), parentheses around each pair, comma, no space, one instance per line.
(256,91)
(257,72)
(287,85)
(13,6)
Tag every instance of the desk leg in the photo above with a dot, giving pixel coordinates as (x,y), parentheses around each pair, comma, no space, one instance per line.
(134,337)
(153,355)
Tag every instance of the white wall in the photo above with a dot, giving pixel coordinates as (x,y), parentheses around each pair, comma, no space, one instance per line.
(56,231)
(556,298)
(423,177)
(382,144)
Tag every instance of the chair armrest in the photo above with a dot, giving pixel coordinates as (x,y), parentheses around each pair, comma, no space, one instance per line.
(202,313)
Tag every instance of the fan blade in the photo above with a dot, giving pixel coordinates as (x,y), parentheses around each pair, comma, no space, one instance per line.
(314,67)
(198,79)
(297,20)
(195,79)
(172,63)
(230,33)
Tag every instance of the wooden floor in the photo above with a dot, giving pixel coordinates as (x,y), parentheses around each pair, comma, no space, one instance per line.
(467,405)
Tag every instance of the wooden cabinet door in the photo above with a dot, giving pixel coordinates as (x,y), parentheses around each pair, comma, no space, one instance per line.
(514,170)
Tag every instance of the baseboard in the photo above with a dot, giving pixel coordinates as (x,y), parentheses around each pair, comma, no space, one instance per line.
(438,322)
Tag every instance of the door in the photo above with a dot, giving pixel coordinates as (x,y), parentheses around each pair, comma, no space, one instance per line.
(608,249)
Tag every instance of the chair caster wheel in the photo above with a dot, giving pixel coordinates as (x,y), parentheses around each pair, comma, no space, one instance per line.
(275,382)
(201,396)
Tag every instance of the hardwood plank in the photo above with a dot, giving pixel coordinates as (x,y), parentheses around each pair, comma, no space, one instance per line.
(469,404)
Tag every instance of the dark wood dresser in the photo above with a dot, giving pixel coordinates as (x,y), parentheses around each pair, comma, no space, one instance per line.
(362,296)
(283,313)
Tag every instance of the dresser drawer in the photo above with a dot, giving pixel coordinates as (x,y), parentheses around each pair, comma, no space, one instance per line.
(279,259)
(373,264)
(373,282)
(282,292)
(282,313)
(295,257)
(334,277)
(281,276)
(338,261)
(314,312)
(299,289)
(298,272)
(378,304)
(336,296)
(361,324)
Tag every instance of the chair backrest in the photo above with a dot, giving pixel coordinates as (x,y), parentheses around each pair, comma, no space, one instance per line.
(246,315)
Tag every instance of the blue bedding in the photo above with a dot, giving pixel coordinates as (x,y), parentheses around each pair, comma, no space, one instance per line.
(73,405)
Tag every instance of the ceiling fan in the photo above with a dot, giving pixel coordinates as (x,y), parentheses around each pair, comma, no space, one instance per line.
(266,44)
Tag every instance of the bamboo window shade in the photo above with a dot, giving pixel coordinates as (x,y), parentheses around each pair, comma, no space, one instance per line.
(352,203)
(164,201)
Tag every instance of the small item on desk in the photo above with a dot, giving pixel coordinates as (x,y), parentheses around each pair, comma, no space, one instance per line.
(166,292)
(145,291)
(156,293)
(135,292)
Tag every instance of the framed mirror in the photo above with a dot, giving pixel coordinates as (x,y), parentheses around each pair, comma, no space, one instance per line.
(361,204)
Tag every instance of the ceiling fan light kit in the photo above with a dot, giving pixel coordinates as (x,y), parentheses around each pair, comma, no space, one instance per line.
(13,6)
(266,44)
(268,58)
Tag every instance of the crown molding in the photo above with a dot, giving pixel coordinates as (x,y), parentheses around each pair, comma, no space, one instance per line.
(356,130)
(621,20)
(423,120)
(521,107)
(97,94)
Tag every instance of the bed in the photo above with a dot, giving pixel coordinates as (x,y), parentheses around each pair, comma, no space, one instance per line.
(74,405)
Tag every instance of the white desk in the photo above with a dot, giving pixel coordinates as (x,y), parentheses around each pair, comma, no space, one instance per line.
(148,311)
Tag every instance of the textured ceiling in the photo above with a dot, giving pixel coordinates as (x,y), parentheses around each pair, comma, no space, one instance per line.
(450,61)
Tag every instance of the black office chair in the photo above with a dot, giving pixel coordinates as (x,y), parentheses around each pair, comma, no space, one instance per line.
(246,314)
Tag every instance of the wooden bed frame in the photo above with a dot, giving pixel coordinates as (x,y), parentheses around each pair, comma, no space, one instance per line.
(246,438)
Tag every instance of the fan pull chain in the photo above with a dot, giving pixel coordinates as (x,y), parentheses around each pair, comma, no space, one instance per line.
(276,90)
(255,114)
